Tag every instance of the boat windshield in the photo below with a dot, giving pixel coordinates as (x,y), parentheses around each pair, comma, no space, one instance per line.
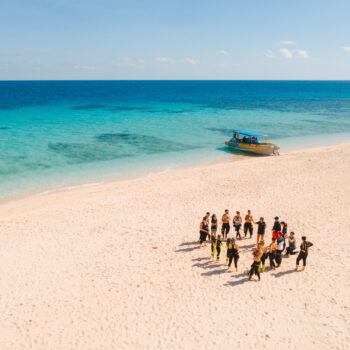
(244,138)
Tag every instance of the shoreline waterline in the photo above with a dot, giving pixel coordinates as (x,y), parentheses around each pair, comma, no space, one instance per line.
(156,172)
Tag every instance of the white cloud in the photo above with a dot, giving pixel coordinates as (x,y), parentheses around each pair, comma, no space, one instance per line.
(140,60)
(346,48)
(224,52)
(165,60)
(287,42)
(126,62)
(285,53)
(191,60)
(269,54)
(301,54)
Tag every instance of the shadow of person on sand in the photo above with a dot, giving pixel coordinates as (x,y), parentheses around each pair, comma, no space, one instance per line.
(247,246)
(282,273)
(188,243)
(184,250)
(206,265)
(201,258)
(237,282)
(214,272)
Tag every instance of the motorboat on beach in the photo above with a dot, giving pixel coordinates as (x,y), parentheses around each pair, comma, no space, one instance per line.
(249,141)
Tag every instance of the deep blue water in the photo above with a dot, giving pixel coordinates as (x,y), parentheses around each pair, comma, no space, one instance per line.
(61,132)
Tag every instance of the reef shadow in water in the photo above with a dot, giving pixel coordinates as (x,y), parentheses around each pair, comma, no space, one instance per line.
(90,107)
(86,152)
(125,109)
(143,143)
(113,146)
(4,128)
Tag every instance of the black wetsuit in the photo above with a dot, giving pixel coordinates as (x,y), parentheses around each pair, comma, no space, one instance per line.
(237,228)
(213,245)
(225,229)
(232,255)
(263,258)
(248,226)
(218,248)
(272,257)
(203,233)
(304,247)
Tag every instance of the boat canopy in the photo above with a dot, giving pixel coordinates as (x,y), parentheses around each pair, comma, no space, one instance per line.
(248,133)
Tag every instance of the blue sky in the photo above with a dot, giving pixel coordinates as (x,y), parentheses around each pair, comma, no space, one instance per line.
(193,39)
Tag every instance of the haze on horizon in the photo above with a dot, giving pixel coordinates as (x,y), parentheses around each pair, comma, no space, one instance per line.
(154,39)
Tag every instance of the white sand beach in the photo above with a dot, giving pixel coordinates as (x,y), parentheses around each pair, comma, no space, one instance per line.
(117,265)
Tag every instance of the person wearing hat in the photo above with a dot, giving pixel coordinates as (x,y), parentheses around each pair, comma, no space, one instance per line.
(276,229)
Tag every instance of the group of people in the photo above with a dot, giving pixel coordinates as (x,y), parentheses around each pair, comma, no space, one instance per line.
(273,252)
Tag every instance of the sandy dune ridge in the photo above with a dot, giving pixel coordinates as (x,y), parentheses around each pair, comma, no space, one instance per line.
(117,265)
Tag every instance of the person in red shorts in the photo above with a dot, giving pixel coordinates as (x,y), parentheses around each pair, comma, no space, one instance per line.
(276,229)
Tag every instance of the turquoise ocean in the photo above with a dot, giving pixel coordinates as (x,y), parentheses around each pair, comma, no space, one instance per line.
(58,133)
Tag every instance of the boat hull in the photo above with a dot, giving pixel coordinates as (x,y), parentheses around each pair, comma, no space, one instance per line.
(266,149)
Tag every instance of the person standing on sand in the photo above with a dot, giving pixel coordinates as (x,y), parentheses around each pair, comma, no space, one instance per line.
(292,245)
(213,245)
(263,256)
(280,247)
(218,248)
(304,251)
(233,254)
(227,245)
(272,253)
(237,223)
(276,229)
(225,224)
(257,253)
(261,230)
(203,232)
(248,224)
(214,224)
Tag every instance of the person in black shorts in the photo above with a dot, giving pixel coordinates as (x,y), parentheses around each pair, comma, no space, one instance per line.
(225,229)
(248,225)
(304,251)
(233,254)
(261,230)
(237,223)
(203,232)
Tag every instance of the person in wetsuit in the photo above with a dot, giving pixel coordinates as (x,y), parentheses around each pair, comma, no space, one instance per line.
(213,245)
(257,253)
(237,223)
(233,254)
(248,225)
(214,224)
(218,248)
(304,251)
(225,224)
(276,229)
(272,253)
(264,256)
(203,232)
(228,242)
(261,230)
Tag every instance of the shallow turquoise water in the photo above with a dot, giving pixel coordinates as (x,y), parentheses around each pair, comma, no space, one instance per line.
(58,133)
